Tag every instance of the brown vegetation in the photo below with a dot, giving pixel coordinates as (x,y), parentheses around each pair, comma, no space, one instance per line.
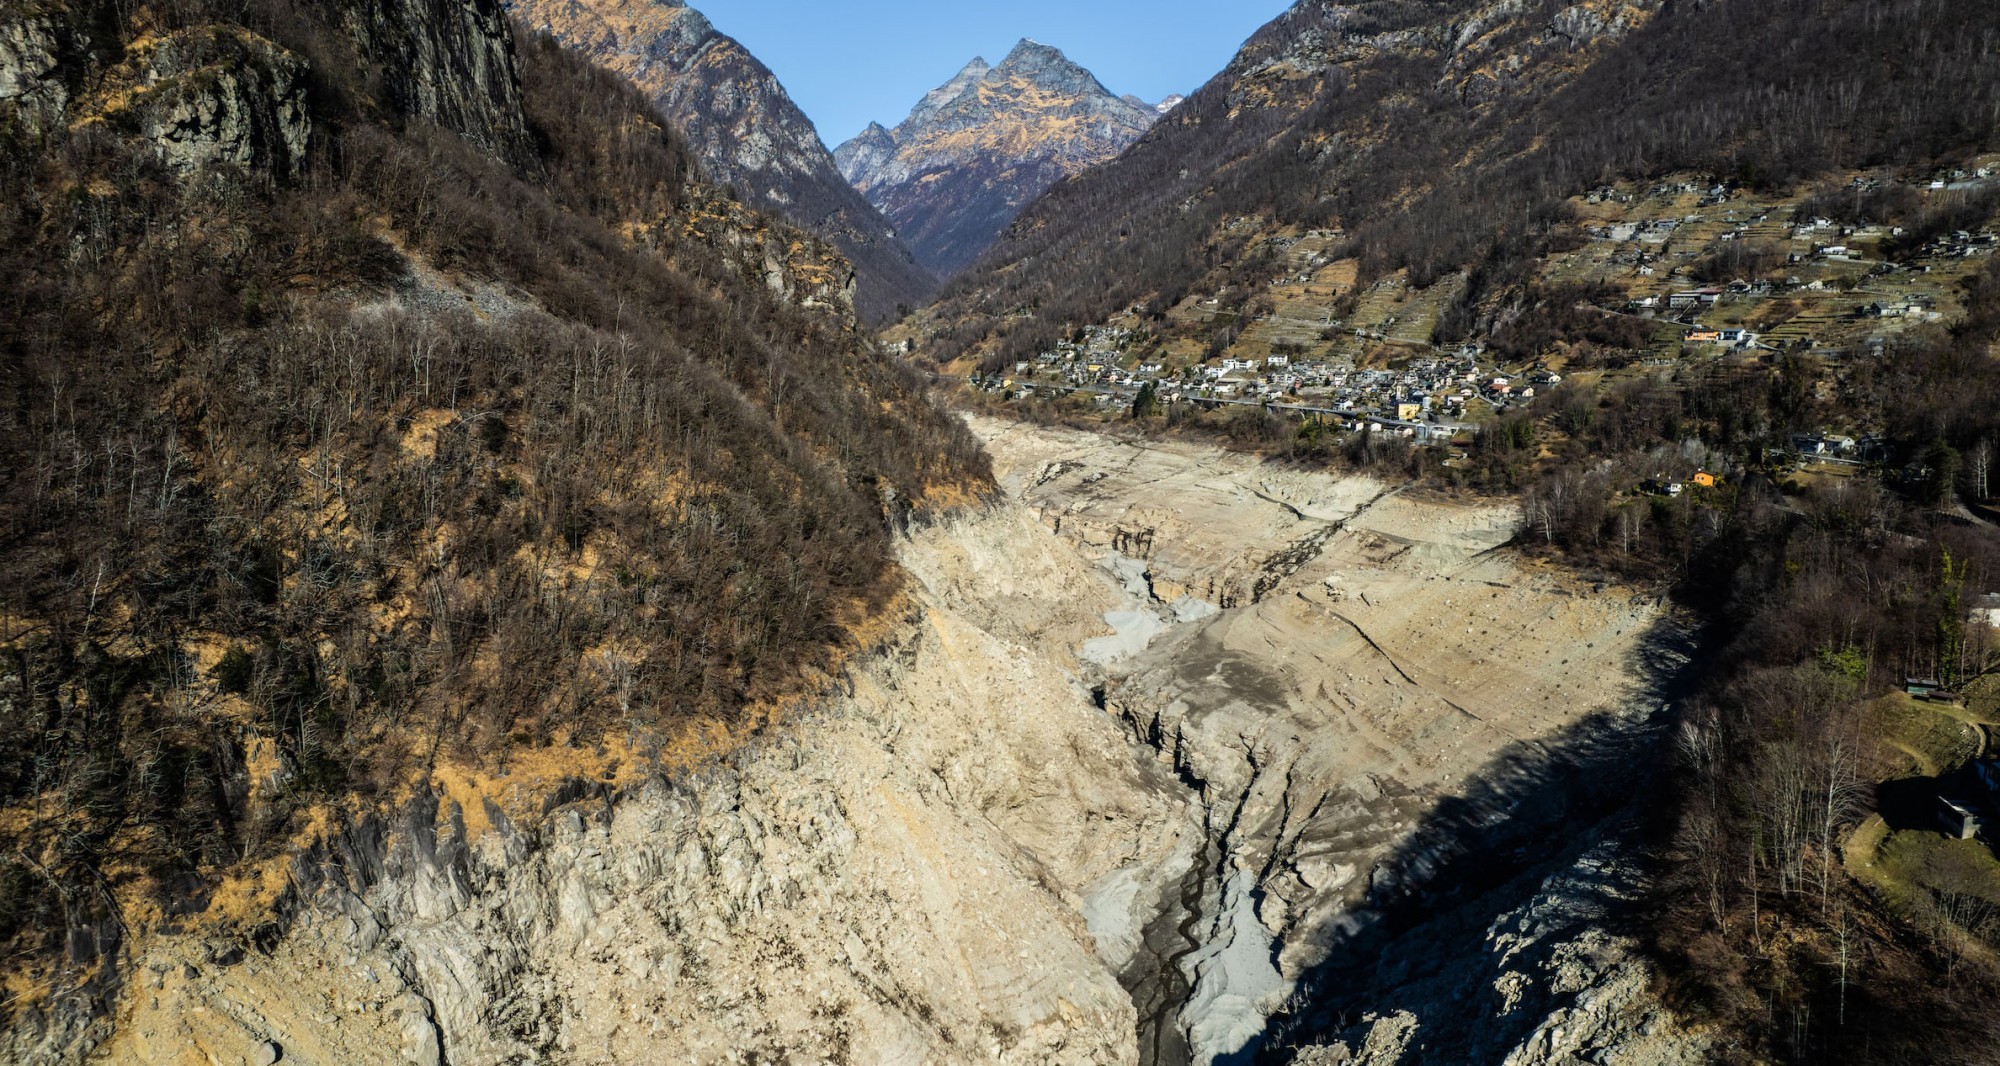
(306,485)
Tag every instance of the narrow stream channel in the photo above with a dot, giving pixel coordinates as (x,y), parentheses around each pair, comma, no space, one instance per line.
(1158,985)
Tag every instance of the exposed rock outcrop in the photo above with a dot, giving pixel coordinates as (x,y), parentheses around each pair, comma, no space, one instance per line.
(30,93)
(450,62)
(221,95)
(802,270)
(980,147)
(743,126)
(1553,985)
(210,96)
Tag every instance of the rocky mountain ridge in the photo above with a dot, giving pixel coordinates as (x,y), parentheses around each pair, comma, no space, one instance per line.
(743,126)
(977,149)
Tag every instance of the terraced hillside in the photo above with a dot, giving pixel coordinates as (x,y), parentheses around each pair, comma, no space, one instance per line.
(1412,129)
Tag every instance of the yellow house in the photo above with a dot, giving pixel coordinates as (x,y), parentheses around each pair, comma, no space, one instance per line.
(1409,412)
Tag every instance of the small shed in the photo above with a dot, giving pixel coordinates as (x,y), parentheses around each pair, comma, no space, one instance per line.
(1960,822)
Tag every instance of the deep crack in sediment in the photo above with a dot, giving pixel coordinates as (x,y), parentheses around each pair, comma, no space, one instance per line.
(1381,699)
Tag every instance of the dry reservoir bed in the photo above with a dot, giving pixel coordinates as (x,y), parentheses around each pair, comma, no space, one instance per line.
(1372,695)
(1177,757)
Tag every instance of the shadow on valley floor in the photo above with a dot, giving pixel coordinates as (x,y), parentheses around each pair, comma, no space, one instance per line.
(1420,943)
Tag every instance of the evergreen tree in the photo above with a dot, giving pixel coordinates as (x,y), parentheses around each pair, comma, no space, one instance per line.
(1147,403)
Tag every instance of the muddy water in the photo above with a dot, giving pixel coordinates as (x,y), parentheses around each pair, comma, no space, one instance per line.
(1157,978)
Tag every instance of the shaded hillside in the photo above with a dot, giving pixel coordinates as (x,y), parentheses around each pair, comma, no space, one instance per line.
(1443,137)
(377,396)
(743,127)
(979,148)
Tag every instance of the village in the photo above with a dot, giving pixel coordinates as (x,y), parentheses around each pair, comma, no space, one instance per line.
(1710,274)
(1424,400)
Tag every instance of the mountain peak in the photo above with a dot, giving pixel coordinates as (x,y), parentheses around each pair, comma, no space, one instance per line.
(1033,59)
(979,147)
(1028,48)
(942,96)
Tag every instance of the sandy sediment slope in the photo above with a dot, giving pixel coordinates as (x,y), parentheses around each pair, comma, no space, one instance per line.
(917,873)
(1367,688)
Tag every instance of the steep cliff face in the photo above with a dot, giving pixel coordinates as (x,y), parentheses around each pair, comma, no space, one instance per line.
(31,95)
(209,96)
(980,147)
(800,269)
(450,62)
(742,125)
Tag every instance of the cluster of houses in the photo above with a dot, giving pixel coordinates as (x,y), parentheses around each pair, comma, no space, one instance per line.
(1909,307)
(1841,448)
(1418,400)
(1962,244)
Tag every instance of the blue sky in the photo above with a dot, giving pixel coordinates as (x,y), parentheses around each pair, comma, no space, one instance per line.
(849,63)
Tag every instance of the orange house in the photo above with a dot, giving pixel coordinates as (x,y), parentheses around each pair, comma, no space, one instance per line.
(1706,481)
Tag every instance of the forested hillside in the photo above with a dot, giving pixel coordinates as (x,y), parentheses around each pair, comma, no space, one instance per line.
(1443,137)
(743,128)
(378,394)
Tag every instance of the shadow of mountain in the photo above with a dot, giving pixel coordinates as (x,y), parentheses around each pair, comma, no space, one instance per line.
(1420,943)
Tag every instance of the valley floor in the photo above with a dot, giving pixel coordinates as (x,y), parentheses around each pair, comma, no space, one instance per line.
(1412,752)
(1182,758)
